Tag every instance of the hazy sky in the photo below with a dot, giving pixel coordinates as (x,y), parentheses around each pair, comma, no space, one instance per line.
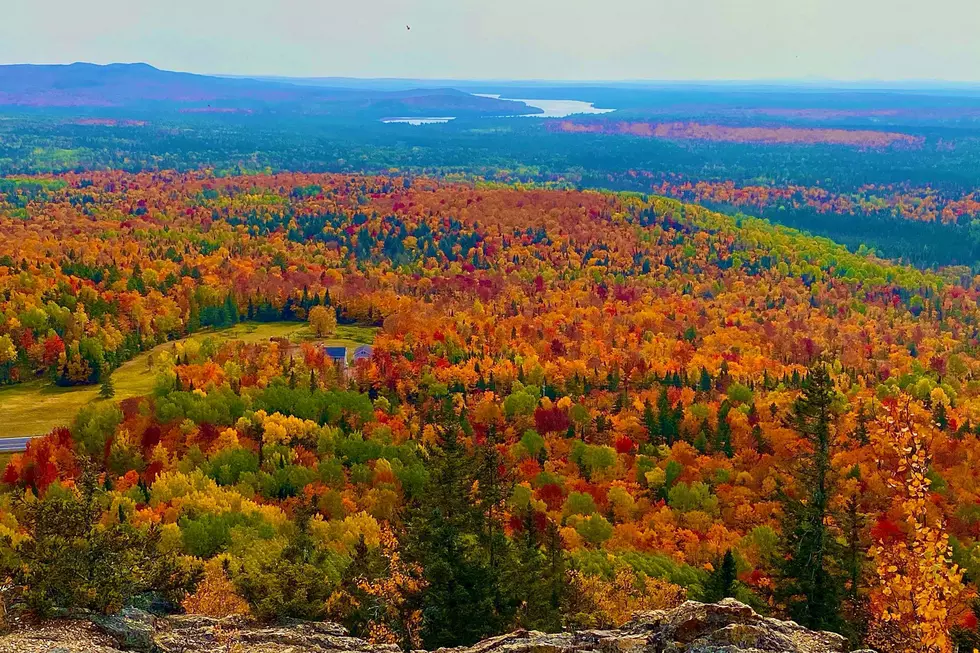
(543,39)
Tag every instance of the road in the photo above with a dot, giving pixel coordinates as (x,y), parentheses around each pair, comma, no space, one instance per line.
(8,445)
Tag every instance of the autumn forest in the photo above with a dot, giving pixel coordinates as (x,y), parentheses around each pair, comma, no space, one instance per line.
(562,394)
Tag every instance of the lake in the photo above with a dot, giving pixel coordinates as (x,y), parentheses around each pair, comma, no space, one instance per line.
(549,108)
(419,121)
(552,108)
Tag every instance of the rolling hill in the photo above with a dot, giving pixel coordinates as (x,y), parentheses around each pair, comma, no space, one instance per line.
(141,87)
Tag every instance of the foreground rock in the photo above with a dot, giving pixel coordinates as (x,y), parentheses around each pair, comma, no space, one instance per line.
(724,627)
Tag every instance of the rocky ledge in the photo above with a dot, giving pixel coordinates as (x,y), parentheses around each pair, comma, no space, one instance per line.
(724,627)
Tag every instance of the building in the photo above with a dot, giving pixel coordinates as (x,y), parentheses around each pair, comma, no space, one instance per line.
(363,353)
(338,355)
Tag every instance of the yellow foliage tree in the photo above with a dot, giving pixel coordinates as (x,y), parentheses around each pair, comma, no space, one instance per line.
(918,587)
(596,602)
(323,321)
(215,595)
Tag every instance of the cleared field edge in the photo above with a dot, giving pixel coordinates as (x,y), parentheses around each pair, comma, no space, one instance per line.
(36,407)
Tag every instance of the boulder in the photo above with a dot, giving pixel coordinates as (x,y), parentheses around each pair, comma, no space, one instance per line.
(132,628)
(724,627)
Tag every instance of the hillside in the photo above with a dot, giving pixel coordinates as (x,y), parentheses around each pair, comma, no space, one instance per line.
(578,405)
(141,87)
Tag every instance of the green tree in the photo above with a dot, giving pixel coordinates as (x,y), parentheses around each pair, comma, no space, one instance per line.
(810,585)
(704,382)
(668,421)
(356,613)
(108,389)
(296,582)
(76,559)
(651,423)
(445,539)
(535,577)
(722,581)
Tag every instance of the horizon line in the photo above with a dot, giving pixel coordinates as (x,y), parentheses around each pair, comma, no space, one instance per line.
(876,83)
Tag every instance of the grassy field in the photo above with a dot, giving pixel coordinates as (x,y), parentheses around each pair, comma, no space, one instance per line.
(37,407)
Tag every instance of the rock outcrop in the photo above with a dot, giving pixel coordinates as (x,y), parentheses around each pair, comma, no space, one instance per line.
(724,627)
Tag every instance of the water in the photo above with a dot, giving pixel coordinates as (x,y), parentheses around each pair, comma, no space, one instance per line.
(419,121)
(549,109)
(553,108)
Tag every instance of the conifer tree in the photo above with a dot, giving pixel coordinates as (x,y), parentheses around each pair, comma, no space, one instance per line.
(811,587)
(459,605)
(721,583)
(108,389)
(535,577)
(651,423)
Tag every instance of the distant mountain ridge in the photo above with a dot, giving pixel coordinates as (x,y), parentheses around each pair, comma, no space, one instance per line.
(144,87)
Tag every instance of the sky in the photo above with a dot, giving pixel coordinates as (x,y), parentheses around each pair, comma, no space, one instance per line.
(847,40)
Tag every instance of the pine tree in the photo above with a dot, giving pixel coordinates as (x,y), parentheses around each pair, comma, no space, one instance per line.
(444,538)
(651,424)
(193,318)
(939,417)
(861,429)
(535,577)
(810,584)
(853,523)
(721,583)
(704,384)
(666,417)
(108,389)
(364,565)
(230,310)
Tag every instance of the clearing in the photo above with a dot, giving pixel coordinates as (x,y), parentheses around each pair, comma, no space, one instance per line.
(36,407)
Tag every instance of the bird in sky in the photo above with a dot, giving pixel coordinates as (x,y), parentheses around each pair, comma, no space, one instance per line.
(408,27)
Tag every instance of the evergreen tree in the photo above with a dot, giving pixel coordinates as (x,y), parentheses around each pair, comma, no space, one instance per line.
(193,318)
(445,531)
(230,310)
(108,389)
(667,418)
(535,577)
(861,429)
(365,564)
(939,417)
(853,523)
(704,384)
(722,581)
(810,585)
(651,423)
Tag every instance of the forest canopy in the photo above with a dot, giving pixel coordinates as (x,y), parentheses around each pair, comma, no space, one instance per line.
(577,404)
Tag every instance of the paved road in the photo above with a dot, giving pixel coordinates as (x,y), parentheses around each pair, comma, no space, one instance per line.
(13,444)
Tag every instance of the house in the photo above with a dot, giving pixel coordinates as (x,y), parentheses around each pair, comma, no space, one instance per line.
(338,355)
(363,353)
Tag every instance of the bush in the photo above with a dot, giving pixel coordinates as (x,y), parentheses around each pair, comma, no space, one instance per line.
(74,560)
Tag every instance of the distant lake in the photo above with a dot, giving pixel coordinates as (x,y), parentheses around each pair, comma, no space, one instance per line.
(553,108)
(549,108)
(419,121)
